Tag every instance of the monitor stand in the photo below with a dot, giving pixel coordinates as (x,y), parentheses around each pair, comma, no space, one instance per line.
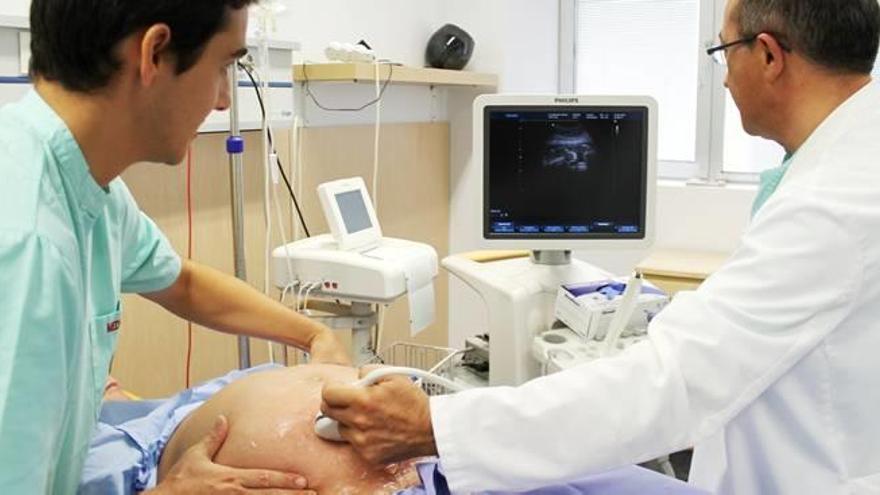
(551,258)
(520,298)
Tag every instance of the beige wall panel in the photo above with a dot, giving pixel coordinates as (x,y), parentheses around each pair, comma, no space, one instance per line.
(414,187)
(152,349)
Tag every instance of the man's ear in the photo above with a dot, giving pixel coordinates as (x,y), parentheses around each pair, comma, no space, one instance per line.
(155,51)
(773,56)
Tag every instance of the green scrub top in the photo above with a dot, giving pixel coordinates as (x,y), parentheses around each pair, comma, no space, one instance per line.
(68,248)
(770,180)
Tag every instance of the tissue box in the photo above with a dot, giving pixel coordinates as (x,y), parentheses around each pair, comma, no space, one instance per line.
(588,308)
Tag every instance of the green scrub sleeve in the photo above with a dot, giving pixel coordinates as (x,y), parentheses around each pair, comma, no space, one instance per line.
(149,262)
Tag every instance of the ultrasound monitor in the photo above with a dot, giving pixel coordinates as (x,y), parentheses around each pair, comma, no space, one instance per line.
(567,173)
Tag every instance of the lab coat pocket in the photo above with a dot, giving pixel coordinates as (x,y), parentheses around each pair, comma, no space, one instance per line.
(104,333)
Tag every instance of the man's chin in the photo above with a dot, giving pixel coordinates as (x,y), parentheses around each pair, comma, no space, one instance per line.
(179,156)
(175,160)
(750,129)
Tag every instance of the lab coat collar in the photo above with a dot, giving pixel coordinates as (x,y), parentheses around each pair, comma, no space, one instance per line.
(838,121)
(86,194)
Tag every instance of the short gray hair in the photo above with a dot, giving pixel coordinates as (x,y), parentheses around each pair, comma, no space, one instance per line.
(841,35)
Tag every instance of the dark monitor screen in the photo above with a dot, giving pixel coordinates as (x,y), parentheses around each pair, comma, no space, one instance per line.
(565,172)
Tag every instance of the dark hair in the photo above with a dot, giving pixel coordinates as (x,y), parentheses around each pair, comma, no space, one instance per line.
(841,35)
(74,42)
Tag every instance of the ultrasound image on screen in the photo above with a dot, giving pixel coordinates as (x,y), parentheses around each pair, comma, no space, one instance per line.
(570,146)
(354,211)
(565,172)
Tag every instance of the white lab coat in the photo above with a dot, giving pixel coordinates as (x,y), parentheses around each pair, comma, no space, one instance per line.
(771,369)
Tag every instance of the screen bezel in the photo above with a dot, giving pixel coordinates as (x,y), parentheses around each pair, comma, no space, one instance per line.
(643,193)
(357,241)
(568,241)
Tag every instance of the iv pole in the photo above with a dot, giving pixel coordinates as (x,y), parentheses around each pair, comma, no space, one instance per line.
(235,149)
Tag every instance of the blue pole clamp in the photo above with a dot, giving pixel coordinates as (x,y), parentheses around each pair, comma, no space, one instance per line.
(235,145)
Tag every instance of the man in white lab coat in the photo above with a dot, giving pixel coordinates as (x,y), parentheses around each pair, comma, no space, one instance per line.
(771,368)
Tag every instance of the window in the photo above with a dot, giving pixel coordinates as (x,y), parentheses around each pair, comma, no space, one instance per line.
(620,41)
(657,47)
(744,154)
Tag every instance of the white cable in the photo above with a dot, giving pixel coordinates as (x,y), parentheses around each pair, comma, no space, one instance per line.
(271,183)
(267,207)
(286,290)
(311,289)
(271,180)
(299,295)
(299,132)
(380,373)
(273,160)
(305,288)
(307,293)
(623,313)
(301,163)
(262,89)
(283,233)
(376,138)
(380,320)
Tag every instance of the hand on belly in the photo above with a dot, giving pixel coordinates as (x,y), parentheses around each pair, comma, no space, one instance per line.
(271,417)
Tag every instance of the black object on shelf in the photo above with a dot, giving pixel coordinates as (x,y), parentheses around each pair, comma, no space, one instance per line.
(451,47)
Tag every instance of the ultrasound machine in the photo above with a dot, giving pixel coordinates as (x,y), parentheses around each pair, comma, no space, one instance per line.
(559,174)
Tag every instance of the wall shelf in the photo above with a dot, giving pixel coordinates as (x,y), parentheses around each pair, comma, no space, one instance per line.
(365,73)
(14,22)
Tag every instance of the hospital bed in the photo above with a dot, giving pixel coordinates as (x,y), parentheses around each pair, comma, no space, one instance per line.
(131,436)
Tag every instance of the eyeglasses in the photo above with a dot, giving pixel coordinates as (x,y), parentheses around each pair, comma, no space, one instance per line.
(719,53)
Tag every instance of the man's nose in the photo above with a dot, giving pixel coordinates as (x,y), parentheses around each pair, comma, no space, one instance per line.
(224,100)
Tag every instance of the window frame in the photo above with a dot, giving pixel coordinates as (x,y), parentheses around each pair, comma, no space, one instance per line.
(708,166)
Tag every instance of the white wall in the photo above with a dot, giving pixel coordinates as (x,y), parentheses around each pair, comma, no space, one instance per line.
(516,39)
(16,7)
(10,57)
(396,29)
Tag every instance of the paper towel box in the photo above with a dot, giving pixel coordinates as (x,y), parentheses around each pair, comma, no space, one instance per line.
(588,308)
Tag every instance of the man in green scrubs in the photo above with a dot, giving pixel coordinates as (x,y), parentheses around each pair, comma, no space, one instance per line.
(115,83)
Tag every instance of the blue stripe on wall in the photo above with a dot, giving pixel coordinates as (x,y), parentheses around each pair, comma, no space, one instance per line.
(15,80)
